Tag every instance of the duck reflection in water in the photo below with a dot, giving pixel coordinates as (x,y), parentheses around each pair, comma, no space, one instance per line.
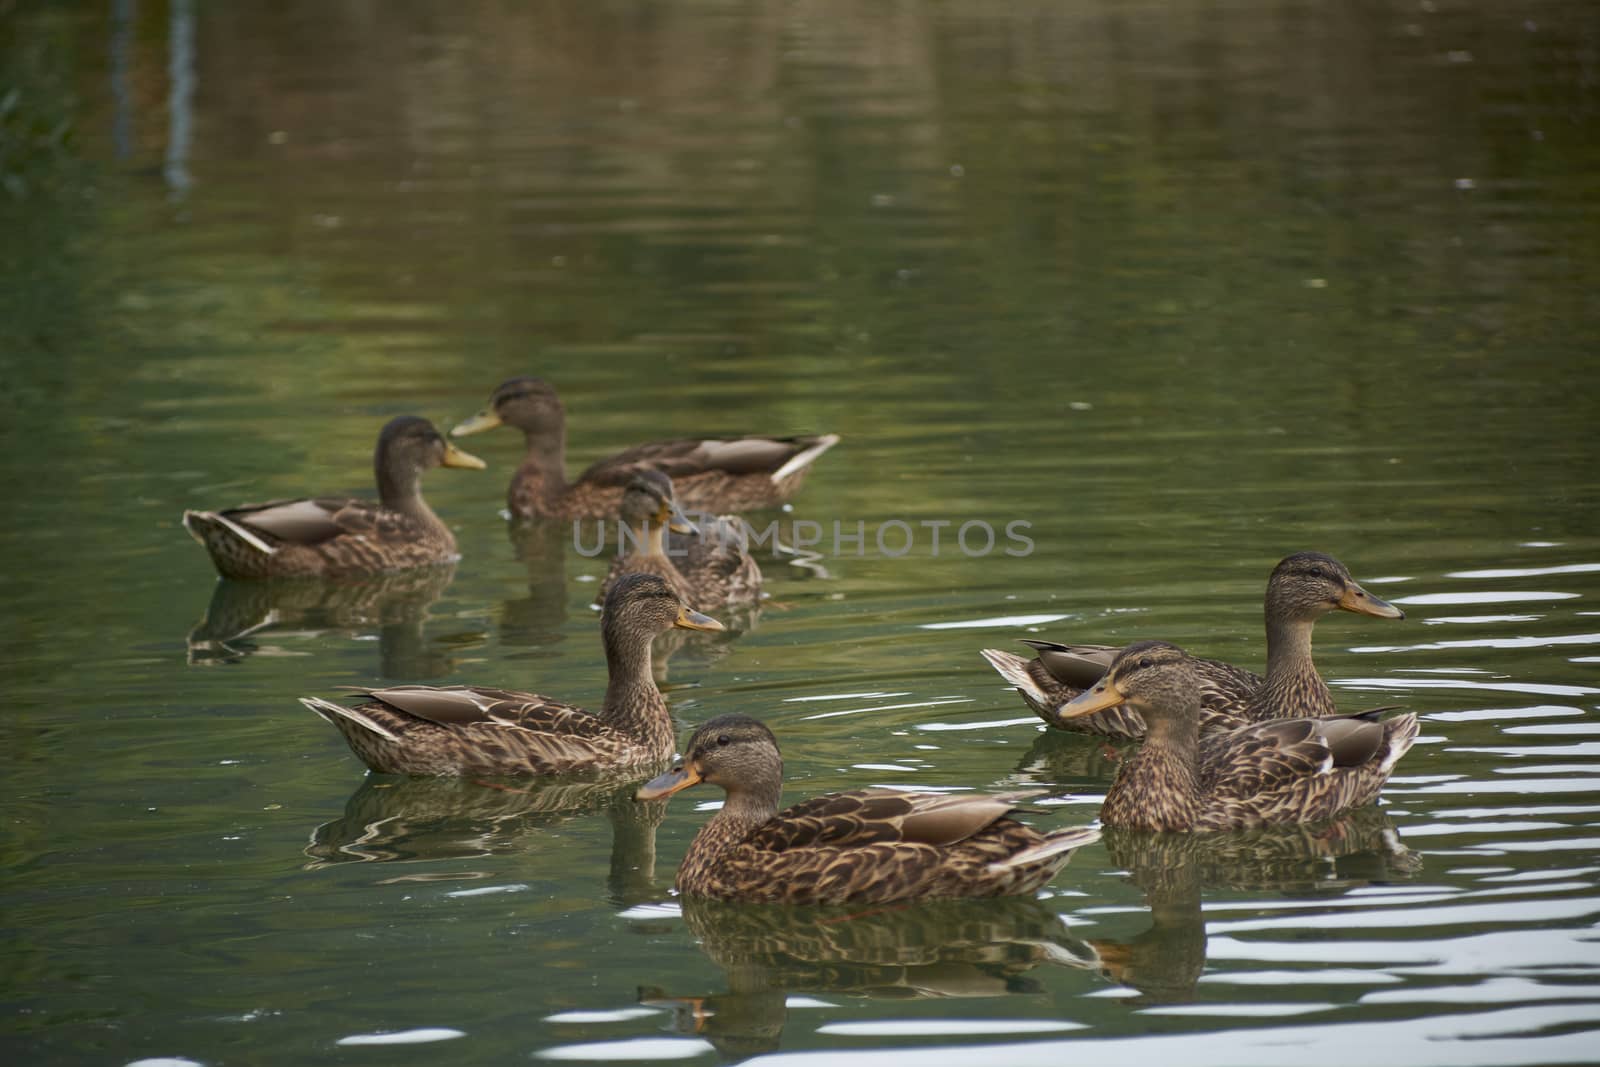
(537,619)
(391,819)
(242,616)
(1319,860)
(905,951)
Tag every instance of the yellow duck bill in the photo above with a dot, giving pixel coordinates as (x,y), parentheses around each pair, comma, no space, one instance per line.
(1101,696)
(689,619)
(1361,602)
(483,420)
(679,778)
(457,457)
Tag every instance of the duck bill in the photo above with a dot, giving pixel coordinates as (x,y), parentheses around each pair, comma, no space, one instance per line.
(676,520)
(1102,696)
(457,457)
(1114,958)
(689,619)
(1361,602)
(675,780)
(486,419)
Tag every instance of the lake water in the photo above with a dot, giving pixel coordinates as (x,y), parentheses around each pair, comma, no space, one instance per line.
(1181,287)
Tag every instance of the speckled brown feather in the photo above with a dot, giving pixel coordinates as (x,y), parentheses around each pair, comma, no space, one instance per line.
(1279,771)
(428,730)
(1300,590)
(496,732)
(339,537)
(360,537)
(1225,691)
(710,567)
(870,846)
(859,846)
(718,565)
(712,474)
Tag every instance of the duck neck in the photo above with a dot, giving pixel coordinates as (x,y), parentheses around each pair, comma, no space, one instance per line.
(544,460)
(747,809)
(646,540)
(742,812)
(401,491)
(633,703)
(1292,686)
(1159,788)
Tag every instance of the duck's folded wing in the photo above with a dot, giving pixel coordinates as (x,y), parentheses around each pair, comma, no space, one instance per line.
(1078,666)
(687,456)
(877,816)
(1272,755)
(306,521)
(463,705)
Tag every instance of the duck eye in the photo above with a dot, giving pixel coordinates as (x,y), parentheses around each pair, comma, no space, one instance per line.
(1144,662)
(722,739)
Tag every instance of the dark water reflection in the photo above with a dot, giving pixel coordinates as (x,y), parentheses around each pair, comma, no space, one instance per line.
(243,617)
(425,820)
(1184,288)
(937,950)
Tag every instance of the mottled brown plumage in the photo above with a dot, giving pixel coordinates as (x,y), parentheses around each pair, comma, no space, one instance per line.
(339,537)
(1277,771)
(709,565)
(1303,588)
(864,845)
(421,729)
(712,474)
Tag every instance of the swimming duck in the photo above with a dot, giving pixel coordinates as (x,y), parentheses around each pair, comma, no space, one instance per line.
(1275,771)
(460,729)
(1303,588)
(866,845)
(710,566)
(712,474)
(338,537)
(647,512)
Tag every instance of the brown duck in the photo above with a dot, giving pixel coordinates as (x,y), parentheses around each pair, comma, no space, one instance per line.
(710,566)
(867,845)
(1303,588)
(338,537)
(1276,771)
(712,474)
(423,729)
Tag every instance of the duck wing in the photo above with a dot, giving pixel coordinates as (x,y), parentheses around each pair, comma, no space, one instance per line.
(882,816)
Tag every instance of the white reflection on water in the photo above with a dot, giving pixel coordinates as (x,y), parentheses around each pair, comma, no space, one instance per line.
(939,727)
(1466,1039)
(1326,976)
(1476,620)
(1493,642)
(940,1027)
(1526,910)
(1520,751)
(420,1036)
(1536,711)
(1257,1011)
(992,623)
(620,1015)
(890,707)
(1535,876)
(1490,991)
(1503,597)
(1528,572)
(1458,683)
(1543,952)
(635,1049)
